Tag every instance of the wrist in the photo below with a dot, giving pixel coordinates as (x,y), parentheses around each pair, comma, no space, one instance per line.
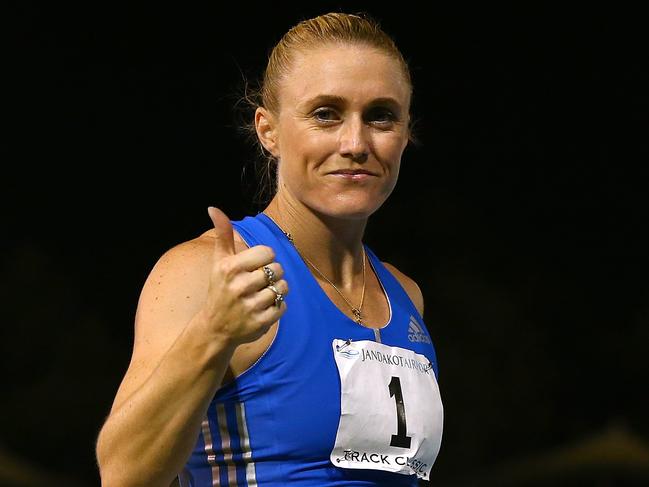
(215,346)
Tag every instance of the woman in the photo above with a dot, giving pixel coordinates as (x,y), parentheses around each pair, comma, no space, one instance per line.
(236,381)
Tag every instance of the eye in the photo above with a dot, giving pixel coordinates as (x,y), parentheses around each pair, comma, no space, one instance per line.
(380,116)
(325,115)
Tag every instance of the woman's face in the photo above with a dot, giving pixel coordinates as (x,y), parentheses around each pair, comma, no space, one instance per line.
(341,129)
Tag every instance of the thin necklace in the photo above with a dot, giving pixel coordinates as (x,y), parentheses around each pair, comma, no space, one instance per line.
(356,311)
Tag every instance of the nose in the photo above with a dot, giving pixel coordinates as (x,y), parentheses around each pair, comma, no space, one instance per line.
(354,143)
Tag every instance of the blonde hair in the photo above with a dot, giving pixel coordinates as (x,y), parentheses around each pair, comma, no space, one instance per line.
(331,28)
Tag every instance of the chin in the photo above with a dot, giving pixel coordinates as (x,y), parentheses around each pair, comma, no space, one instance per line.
(349,209)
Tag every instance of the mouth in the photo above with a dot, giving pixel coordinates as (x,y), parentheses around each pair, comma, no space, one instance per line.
(351,171)
(354,175)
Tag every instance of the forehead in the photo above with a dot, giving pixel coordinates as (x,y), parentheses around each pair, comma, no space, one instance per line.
(355,72)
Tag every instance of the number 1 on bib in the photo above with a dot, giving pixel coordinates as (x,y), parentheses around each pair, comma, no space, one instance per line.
(400,439)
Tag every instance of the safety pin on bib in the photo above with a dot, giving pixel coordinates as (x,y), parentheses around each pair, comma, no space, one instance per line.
(346,344)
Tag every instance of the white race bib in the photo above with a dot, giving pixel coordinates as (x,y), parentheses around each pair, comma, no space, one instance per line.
(391,411)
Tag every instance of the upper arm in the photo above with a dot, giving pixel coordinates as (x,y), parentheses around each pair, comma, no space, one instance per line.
(410,286)
(173,293)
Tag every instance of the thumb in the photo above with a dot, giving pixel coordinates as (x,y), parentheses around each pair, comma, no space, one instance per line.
(224,237)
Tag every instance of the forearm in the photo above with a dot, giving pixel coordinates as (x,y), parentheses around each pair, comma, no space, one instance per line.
(148,437)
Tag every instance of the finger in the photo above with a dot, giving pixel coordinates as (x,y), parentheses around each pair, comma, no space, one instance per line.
(223,233)
(266,297)
(253,258)
(271,314)
(252,282)
(260,277)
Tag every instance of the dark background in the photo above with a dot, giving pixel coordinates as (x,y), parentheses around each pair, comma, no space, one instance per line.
(522,215)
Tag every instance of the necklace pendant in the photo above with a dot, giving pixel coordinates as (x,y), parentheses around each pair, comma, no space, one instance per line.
(357,315)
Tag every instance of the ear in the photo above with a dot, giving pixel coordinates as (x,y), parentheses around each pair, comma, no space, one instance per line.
(266,127)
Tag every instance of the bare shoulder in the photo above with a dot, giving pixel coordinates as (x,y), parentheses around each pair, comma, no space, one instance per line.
(183,269)
(189,260)
(410,286)
(176,287)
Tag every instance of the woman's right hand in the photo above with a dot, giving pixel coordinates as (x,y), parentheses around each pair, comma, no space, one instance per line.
(240,307)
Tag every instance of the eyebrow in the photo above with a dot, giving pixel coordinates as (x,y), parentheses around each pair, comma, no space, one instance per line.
(339,100)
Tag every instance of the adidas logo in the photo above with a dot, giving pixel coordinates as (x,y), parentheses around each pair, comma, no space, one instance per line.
(416,332)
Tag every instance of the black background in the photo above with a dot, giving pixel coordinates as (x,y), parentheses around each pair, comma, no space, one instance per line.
(522,213)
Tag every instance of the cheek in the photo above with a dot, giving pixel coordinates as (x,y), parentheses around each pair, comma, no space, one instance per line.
(306,147)
(391,147)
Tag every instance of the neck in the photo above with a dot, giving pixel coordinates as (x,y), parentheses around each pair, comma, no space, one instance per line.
(333,245)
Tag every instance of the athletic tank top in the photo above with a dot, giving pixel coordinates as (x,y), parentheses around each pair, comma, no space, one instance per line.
(277,423)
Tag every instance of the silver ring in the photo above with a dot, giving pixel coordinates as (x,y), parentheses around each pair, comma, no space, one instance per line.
(270,275)
(279,297)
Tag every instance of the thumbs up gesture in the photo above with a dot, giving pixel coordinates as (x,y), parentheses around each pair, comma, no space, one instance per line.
(243,298)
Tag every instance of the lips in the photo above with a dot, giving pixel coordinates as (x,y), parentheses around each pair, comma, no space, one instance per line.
(353,172)
(352,175)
